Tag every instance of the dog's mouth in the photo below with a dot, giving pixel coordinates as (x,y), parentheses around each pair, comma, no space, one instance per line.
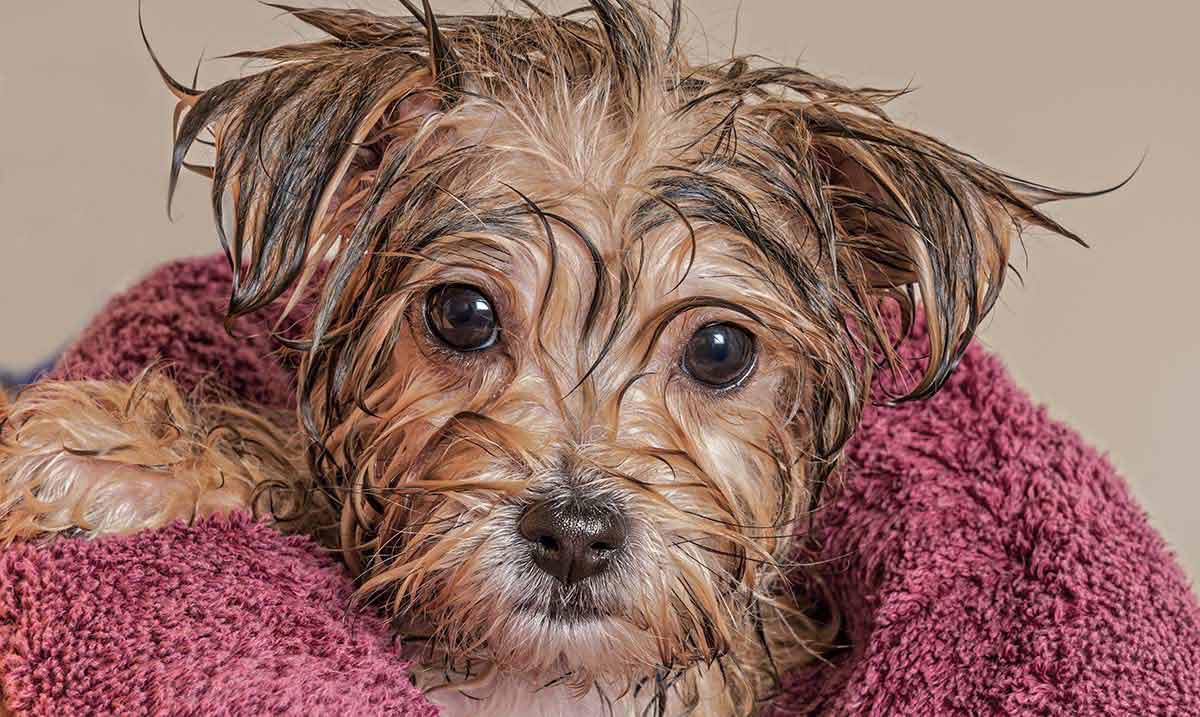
(568,606)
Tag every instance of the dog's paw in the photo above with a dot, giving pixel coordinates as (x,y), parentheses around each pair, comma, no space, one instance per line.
(103,458)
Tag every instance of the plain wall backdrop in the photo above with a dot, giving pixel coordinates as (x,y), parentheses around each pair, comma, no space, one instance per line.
(1070,93)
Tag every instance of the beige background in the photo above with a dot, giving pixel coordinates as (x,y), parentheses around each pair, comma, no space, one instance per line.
(1070,93)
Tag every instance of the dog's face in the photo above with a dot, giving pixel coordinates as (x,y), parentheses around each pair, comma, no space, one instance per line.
(587,441)
(597,322)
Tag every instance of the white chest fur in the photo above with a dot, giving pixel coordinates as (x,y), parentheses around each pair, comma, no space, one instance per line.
(511,696)
(516,698)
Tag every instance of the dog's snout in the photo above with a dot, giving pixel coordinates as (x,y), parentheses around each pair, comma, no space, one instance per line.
(573,541)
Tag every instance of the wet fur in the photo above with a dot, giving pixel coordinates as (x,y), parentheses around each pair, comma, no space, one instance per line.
(611,197)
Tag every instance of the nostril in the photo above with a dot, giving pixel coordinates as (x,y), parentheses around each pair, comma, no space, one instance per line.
(573,540)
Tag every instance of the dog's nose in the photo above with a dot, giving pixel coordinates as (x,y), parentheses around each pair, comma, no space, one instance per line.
(573,540)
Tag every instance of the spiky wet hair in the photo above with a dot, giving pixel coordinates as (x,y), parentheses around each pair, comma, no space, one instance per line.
(356,147)
(892,213)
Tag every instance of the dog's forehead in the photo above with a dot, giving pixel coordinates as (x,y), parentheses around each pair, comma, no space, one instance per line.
(576,227)
(569,243)
(603,245)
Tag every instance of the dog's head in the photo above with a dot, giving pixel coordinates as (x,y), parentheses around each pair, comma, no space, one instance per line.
(596,321)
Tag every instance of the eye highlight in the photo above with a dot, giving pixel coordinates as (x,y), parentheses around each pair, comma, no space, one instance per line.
(462,317)
(719,355)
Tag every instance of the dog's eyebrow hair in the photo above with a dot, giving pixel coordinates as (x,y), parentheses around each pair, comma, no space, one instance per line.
(704,197)
(657,325)
(473,248)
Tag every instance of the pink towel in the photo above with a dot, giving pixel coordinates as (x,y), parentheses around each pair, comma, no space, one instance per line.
(226,617)
(985,559)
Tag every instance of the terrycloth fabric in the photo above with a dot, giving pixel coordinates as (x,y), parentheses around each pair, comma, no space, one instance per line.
(984,559)
(997,565)
(224,618)
(176,317)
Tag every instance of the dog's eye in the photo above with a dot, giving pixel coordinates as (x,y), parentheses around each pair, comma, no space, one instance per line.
(719,355)
(462,317)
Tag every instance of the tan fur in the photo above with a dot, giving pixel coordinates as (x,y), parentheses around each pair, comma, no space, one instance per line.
(108,458)
(610,197)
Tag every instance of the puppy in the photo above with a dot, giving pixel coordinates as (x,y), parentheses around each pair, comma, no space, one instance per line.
(592,325)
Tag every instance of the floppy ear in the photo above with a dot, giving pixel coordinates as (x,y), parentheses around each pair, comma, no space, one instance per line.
(922,223)
(298,145)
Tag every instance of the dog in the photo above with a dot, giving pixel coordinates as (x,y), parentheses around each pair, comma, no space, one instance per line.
(591,326)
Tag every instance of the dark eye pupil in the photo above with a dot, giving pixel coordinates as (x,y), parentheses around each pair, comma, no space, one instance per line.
(719,355)
(462,317)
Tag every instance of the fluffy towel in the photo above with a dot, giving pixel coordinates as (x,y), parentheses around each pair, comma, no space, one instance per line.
(223,618)
(985,561)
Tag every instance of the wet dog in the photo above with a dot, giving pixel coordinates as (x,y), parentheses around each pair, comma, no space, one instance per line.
(591,325)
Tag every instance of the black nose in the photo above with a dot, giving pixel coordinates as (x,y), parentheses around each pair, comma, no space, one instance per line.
(573,540)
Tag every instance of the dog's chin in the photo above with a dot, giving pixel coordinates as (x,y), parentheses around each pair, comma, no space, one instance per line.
(577,640)
(580,646)
(566,614)
(557,605)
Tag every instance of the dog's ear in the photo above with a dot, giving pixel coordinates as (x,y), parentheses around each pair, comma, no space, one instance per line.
(920,222)
(297,146)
